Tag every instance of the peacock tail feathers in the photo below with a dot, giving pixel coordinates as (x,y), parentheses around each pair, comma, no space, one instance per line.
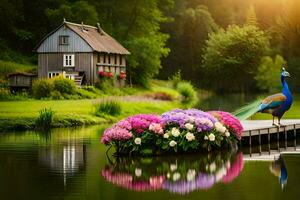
(248,110)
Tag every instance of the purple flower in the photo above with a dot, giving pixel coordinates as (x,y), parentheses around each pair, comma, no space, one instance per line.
(202,181)
(202,120)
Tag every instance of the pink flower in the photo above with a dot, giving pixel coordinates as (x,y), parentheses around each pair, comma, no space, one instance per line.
(115,134)
(230,121)
(156,128)
(235,169)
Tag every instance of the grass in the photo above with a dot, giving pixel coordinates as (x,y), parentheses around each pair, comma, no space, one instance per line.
(22,114)
(9,67)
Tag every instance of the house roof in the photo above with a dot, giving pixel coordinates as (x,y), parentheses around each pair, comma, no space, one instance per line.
(20,74)
(99,40)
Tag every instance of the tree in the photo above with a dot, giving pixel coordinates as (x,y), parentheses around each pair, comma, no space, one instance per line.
(190,30)
(231,58)
(268,73)
(80,11)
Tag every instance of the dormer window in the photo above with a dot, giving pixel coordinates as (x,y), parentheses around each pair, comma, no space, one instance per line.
(63,39)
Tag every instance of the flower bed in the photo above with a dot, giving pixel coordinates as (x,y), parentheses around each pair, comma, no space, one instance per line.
(175,131)
(180,175)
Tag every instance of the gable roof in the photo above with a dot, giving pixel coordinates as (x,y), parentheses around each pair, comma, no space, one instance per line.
(97,39)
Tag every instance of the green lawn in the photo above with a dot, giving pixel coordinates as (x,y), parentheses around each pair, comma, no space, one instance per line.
(21,114)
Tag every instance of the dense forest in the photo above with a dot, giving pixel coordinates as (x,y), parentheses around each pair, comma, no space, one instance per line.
(220,45)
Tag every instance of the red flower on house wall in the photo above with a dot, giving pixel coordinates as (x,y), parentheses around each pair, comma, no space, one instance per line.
(103,74)
(122,75)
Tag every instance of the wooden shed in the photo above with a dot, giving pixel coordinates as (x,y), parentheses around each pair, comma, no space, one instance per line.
(80,52)
(20,80)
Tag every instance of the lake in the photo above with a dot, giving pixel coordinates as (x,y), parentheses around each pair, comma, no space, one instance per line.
(72,164)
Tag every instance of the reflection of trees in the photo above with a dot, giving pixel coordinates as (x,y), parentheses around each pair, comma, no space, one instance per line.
(278,168)
(180,174)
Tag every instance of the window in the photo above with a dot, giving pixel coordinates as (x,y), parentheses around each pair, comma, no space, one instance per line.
(53,74)
(68,60)
(63,39)
(70,76)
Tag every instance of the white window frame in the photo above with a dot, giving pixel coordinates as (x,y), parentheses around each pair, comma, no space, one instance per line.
(69,60)
(53,74)
(70,76)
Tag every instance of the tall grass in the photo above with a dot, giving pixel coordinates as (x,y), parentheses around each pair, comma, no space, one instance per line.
(45,118)
(109,107)
(9,67)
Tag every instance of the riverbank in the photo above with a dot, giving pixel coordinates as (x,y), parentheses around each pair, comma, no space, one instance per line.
(21,115)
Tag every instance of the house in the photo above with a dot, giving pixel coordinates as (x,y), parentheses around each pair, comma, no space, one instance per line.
(80,52)
(20,80)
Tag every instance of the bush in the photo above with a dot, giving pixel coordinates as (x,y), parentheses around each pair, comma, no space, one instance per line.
(176,78)
(56,95)
(64,85)
(188,93)
(42,88)
(45,118)
(4,94)
(112,108)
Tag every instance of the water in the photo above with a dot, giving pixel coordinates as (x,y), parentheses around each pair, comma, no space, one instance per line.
(226,102)
(72,164)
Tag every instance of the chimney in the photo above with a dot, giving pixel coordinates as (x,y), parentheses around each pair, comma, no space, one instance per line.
(100,29)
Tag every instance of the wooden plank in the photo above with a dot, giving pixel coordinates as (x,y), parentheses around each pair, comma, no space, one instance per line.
(262,127)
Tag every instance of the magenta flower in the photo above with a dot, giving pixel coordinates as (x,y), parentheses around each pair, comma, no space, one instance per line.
(235,169)
(230,121)
(115,134)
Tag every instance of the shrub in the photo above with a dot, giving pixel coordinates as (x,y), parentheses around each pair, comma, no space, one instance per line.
(188,93)
(56,95)
(176,78)
(45,118)
(5,94)
(41,88)
(64,85)
(112,108)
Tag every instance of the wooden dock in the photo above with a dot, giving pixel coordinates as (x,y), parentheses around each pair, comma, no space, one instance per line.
(264,127)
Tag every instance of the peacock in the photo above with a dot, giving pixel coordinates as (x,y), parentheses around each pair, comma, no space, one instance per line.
(276,104)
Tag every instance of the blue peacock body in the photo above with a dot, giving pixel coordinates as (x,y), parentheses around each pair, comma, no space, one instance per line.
(276,104)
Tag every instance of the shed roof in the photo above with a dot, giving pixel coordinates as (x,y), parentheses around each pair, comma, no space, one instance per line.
(20,74)
(99,40)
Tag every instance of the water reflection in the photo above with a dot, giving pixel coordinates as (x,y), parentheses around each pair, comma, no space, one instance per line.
(180,174)
(278,168)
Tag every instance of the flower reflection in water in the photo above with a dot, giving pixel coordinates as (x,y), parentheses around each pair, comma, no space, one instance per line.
(180,174)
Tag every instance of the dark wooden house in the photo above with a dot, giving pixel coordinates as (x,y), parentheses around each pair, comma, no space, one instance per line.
(80,52)
(20,80)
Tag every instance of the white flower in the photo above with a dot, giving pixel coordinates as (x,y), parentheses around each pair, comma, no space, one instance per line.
(138,141)
(138,172)
(168,175)
(220,128)
(190,136)
(173,143)
(176,176)
(189,126)
(212,167)
(227,134)
(220,173)
(211,137)
(190,176)
(166,135)
(205,137)
(175,132)
(173,167)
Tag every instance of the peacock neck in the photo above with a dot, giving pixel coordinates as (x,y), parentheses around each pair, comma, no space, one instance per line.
(285,88)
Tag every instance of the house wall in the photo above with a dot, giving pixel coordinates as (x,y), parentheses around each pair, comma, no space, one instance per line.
(53,62)
(76,43)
